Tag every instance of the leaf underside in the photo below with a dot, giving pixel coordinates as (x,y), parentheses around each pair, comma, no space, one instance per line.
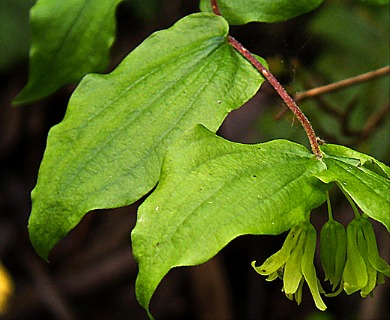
(362,177)
(211,191)
(69,39)
(244,11)
(108,150)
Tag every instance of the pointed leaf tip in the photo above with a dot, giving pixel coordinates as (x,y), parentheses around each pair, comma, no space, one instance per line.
(69,39)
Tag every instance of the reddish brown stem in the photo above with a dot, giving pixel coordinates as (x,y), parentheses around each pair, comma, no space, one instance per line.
(333,87)
(343,83)
(215,7)
(282,93)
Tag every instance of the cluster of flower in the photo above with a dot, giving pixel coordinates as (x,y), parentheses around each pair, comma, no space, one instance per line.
(349,257)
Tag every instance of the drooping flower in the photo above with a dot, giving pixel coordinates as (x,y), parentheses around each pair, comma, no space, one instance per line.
(333,250)
(364,269)
(294,263)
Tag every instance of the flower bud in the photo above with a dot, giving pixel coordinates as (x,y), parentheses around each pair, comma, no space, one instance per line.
(333,249)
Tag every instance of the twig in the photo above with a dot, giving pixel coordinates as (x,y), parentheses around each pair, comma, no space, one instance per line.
(333,87)
(374,121)
(342,84)
(282,93)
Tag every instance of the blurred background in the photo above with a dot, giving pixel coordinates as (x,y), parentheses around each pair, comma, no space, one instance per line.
(92,271)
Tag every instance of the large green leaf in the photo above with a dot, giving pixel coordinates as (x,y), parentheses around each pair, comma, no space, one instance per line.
(69,39)
(362,177)
(211,191)
(108,150)
(244,11)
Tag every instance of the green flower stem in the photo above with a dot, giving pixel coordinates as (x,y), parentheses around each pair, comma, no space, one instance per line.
(352,203)
(330,215)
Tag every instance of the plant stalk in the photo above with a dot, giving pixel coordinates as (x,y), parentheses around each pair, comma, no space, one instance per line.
(343,84)
(215,7)
(330,214)
(278,87)
(282,93)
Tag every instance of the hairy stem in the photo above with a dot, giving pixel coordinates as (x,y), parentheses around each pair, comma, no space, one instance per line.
(282,93)
(278,87)
(351,202)
(215,7)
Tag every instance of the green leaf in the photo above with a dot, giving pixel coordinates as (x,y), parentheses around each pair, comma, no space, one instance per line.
(362,177)
(211,191)
(69,39)
(356,158)
(108,150)
(244,11)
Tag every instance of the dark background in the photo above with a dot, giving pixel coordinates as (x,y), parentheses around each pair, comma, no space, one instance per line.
(92,271)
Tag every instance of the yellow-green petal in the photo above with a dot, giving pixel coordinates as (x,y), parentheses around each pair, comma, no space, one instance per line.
(371,272)
(308,269)
(278,259)
(372,249)
(355,272)
(292,276)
